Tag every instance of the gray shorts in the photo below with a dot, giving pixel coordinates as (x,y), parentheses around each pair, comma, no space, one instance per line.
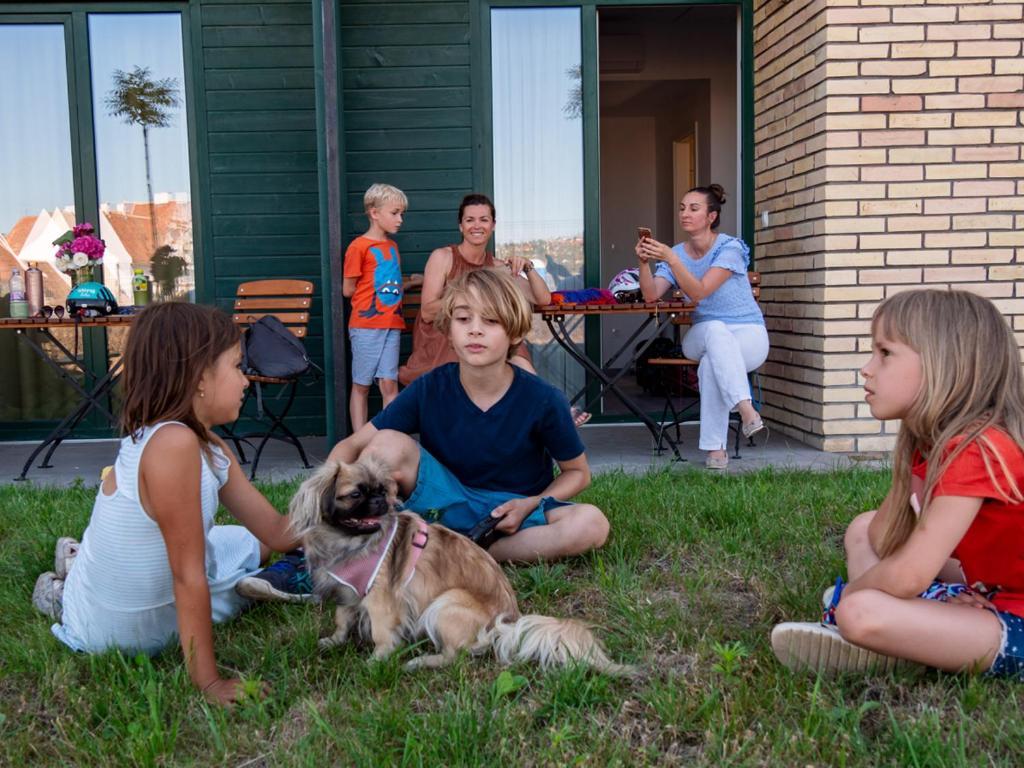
(374,354)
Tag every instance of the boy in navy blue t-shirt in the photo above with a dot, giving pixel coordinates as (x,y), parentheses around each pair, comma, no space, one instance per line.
(488,434)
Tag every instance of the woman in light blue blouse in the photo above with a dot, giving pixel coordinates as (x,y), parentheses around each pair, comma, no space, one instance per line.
(728,335)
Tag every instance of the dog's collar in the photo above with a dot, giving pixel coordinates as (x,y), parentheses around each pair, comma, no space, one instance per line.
(359,574)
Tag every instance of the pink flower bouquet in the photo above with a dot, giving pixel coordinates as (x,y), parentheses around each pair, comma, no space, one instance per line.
(78,249)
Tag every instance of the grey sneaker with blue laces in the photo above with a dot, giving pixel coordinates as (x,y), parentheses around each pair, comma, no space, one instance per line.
(286,580)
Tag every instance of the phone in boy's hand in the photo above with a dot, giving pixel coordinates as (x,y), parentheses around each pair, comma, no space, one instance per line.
(643,233)
(485,533)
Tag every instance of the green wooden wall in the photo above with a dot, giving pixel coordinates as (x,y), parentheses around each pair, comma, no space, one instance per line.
(406,114)
(257,151)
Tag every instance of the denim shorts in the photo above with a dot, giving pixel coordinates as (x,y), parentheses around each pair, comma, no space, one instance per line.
(440,497)
(374,354)
(1009,662)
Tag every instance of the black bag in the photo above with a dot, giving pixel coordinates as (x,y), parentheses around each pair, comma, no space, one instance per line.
(270,349)
(649,379)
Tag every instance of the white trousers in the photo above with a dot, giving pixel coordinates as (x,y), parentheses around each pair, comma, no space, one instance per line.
(726,354)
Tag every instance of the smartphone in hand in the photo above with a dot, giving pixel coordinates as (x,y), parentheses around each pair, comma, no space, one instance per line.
(643,233)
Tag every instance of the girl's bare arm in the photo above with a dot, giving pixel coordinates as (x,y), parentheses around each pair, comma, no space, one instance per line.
(251,508)
(169,489)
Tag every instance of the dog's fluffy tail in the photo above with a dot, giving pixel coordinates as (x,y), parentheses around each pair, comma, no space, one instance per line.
(550,642)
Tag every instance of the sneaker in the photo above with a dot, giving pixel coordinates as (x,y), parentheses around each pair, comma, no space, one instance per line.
(810,646)
(287,580)
(48,595)
(64,556)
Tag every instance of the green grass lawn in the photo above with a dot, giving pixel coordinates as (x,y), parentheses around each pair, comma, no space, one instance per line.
(697,570)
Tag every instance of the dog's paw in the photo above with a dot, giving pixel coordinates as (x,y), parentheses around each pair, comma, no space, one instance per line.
(429,661)
(326,643)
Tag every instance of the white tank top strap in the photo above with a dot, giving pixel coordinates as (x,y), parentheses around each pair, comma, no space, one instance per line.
(126,468)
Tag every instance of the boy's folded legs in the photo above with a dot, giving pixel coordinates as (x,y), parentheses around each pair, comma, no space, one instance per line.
(571,530)
(568,528)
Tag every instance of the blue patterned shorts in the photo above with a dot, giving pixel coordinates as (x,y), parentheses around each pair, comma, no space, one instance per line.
(1009,662)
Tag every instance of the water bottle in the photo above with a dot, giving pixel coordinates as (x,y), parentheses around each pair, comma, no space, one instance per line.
(34,288)
(140,288)
(19,304)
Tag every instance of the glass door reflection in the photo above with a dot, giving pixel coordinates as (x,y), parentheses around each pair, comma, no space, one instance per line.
(37,204)
(538,160)
(142,160)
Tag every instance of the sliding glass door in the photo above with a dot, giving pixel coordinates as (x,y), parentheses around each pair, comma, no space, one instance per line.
(595,117)
(37,203)
(97,132)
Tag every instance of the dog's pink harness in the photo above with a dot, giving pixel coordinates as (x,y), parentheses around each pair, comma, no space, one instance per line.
(359,575)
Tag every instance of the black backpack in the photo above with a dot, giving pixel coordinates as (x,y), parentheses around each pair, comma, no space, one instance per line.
(649,379)
(270,349)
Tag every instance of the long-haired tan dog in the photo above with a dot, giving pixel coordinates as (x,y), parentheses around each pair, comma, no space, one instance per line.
(451,590)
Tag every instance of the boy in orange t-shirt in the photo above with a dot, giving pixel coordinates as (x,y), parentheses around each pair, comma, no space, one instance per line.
(373,280)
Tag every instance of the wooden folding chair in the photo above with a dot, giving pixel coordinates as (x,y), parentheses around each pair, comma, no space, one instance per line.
(289,302)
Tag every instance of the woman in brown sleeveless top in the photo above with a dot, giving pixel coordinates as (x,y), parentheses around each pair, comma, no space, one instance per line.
(476,222)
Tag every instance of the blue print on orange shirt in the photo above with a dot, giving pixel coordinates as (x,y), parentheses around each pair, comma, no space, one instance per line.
(387,282)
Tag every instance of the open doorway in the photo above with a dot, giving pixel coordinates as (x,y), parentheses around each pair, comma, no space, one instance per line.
(669,120)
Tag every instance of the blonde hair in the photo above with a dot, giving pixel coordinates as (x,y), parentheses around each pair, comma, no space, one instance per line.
(970,382)
(499,298)
(378,195)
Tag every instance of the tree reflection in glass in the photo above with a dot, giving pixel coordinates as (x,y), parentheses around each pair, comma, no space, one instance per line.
(145,209)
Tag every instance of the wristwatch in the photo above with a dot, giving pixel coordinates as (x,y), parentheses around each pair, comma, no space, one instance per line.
(527,266)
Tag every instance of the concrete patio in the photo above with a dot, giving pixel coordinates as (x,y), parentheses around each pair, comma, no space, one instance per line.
(609,448)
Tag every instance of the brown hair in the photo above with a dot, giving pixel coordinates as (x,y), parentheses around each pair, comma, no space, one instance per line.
(715,196)
(970,382)
(474,198)
(499,297)
(169,347)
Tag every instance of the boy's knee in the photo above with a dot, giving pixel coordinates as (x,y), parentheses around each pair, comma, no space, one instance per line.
(388,387)
(360,389)
(392,447)
(593,526)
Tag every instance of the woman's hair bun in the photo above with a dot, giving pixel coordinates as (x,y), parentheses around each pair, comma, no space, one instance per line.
(718,191)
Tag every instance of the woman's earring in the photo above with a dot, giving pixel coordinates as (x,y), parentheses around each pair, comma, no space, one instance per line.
(201,393)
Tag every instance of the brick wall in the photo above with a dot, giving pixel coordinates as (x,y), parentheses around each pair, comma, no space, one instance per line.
(888,141)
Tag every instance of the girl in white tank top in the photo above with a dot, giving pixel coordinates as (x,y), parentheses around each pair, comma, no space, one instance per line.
(152,566)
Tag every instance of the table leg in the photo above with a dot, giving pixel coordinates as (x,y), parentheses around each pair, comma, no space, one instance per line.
(66,427)
(37,348)
(560,333)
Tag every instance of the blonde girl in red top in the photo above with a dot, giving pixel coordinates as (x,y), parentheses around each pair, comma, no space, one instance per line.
(948,366)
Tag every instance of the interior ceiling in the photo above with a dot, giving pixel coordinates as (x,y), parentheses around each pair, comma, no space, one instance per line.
(625,17)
